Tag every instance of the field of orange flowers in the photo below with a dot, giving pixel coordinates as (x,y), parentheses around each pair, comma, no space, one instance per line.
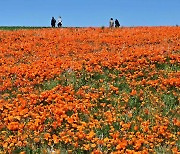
(90,90)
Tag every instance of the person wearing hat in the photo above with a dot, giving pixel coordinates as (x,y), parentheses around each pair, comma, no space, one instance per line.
(59,22)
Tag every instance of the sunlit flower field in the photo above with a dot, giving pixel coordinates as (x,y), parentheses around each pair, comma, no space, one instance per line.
(90,90)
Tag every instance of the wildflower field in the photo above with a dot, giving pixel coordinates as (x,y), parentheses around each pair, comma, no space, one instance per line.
(90,90)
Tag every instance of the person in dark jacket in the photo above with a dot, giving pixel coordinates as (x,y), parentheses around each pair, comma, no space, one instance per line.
(117,24)
(53,22)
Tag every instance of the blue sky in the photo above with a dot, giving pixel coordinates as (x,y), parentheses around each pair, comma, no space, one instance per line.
(87,13)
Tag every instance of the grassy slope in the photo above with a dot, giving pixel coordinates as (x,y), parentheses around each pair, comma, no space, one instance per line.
(18,27)
(137,107)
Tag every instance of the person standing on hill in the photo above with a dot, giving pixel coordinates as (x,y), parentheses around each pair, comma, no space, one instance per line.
(117,24)
(59,22)
(111,23)
(53,22)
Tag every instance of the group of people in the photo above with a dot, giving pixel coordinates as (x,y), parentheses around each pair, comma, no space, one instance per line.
(112,22)
(59,22)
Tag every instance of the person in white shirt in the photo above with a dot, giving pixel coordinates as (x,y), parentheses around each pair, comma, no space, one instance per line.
(111,23)
(59,22)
